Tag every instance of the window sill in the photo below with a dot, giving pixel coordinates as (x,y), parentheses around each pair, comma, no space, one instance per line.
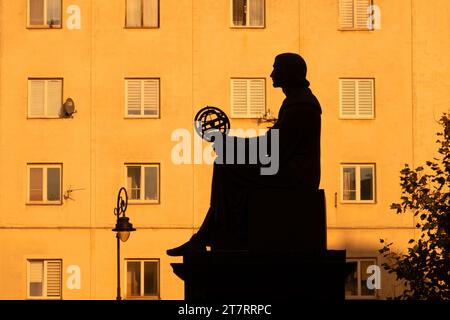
(142,117)
(356,118)
(143,298)
(140,28)
(41,203)
(358,202)
(44,117)
(355,29)
(245,118)
(247,27)
(145,202)
(58,27)
(361,298)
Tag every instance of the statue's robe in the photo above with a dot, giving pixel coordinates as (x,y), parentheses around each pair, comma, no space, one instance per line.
(299,125)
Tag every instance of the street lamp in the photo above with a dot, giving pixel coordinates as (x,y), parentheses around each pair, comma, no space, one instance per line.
(123,229)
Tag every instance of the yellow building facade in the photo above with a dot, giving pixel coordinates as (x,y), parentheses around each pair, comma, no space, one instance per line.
(89,50)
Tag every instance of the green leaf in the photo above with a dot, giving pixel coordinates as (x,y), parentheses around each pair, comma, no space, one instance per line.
(424,267)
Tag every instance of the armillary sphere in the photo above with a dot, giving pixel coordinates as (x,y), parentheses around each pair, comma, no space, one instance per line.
(210,120)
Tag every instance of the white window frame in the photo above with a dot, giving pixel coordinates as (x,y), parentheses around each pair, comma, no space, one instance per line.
(142,115)
(358,273)
(355,17)
(357,167)
(44,280)
(248,115)
(45,115)
(142,17)
(357,116)
(158,184)
(247,26)
(158,279)
(44,166)
(45,25)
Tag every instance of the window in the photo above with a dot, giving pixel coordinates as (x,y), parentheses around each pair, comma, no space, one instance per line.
(44,98)
(44,13)
(356,282)
(44,183)
(358,183)
(44,279)
(142,14)
(142,98)
(248,98)
(142,279)
(355,15)
(248,13)
(357,98)
(143,182)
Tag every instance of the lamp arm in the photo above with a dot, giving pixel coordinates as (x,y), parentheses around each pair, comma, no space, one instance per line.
(122,203)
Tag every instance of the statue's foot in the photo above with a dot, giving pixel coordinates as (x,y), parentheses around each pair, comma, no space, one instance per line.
(192,246)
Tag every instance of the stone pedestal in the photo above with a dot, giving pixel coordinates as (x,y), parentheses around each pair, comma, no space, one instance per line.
(285,259)
(246,276)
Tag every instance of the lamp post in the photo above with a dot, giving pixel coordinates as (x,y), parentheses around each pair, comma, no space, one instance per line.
(123,229)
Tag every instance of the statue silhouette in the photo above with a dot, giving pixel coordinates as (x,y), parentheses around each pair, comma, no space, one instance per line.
(299,125)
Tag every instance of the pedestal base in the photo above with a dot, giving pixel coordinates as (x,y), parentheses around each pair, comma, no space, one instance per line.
(234,275)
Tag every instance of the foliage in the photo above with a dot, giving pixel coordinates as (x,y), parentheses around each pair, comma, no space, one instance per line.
(425,269)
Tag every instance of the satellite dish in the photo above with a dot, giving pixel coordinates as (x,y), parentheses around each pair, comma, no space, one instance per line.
(69,107)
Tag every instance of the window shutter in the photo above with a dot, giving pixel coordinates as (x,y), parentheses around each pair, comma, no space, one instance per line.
(37,97)
(357,98)
(257,103)
(53,273)
(365,98)
(346,14)
(348,97)
(36,278)
(134,97)
(361,13)
(151,97)
(239,98)
(36,271)
(54,97)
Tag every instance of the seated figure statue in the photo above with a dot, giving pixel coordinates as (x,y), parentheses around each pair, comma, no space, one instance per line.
(299,126)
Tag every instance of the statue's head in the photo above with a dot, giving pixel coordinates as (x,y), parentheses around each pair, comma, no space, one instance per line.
(289,70)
